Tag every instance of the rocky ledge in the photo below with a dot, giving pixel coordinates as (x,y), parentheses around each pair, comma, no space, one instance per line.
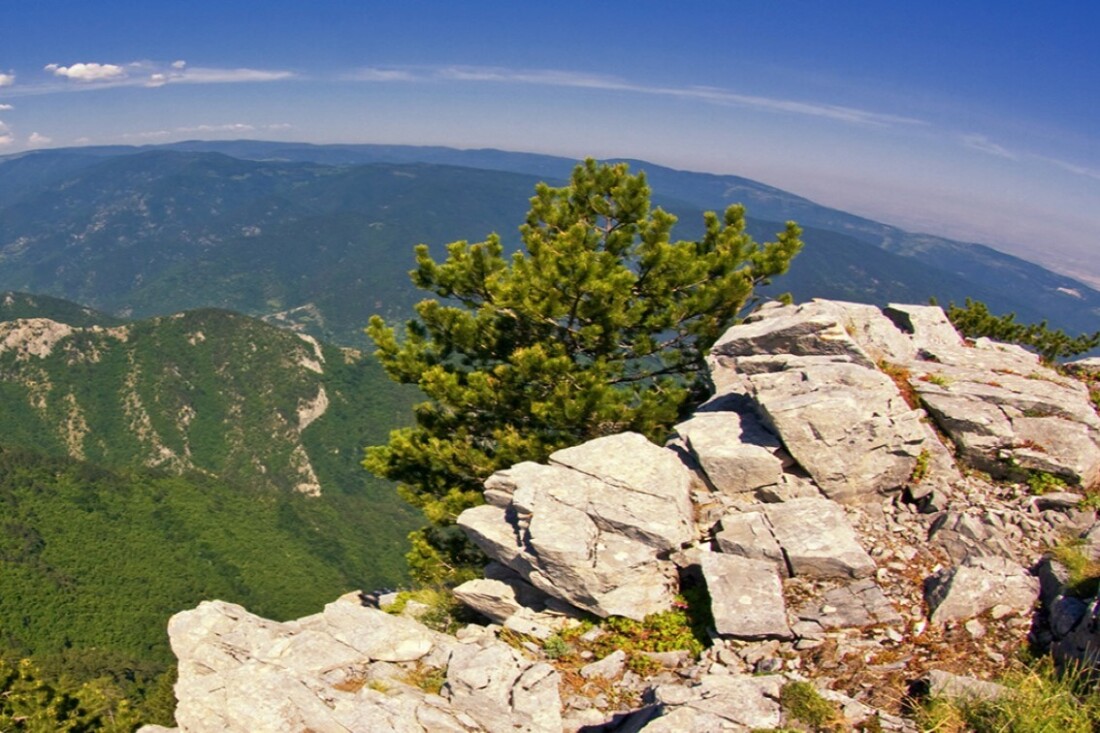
(858,500)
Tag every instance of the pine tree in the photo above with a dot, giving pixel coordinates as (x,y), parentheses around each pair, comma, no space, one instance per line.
(975,320)
(599,324)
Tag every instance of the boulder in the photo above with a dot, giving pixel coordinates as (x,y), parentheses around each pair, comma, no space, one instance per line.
(810,329)
(594,527)
(746,597)
(735,451)
(493,599)
(978,584)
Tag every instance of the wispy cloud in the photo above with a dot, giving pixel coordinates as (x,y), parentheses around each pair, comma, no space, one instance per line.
(381,75)
(36,139)
(1073,167)
(180,73)
(228,128)
(580,80)
(985,145)
(5,107)
(6,138)
(88,72)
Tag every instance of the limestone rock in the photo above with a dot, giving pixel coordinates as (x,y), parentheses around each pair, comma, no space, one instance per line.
(945,684)
(593,527)
(977,585)
(748,534)
(844,423)
(746,597)
(493,599)
(718,702)
(810,329)
(817,539)
(494,685)
(854,605)
(737,454)
(1007,413)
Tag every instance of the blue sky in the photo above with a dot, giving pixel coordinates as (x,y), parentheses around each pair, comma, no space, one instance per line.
(976,120)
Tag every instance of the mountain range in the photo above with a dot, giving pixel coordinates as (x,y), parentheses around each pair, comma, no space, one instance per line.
(320,237)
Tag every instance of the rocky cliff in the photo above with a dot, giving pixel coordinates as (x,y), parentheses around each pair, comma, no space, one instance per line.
(868,500)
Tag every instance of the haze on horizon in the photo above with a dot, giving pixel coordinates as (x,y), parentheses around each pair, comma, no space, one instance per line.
(970,119)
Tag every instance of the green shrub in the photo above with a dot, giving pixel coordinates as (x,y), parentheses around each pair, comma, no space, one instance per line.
(802,702)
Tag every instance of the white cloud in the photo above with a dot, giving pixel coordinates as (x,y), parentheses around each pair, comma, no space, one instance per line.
(6,80)
(580,80)
(37,139)
(5,107)
(88,72)
(6,138)
(179,64)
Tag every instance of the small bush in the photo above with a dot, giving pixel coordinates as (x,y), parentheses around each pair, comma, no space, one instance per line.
(555,647)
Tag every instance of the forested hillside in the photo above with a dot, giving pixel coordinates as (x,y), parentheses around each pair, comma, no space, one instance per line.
(147,465)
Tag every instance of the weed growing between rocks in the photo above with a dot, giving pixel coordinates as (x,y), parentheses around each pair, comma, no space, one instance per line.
(1084,572)
(900,376)
(1044,483)
(436,608)
(1038,699)
(427,678)
(802,702)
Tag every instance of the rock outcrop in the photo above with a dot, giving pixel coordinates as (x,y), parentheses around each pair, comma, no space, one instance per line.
(827,499)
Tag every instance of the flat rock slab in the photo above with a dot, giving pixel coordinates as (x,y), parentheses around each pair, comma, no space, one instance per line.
(855,605)
(977,585)
(748,534)
(960,687)
(496,686)
(719,702)
(239,673)
(817,540)
(746,597)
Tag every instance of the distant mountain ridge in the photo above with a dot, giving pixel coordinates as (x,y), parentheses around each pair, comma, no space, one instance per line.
(321,236)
